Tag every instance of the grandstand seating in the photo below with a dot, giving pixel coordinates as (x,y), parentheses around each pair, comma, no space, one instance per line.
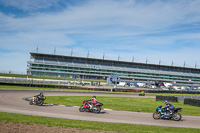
(50,64)
(114,67)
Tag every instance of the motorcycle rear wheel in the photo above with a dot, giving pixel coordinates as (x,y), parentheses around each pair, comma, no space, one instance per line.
(177,117)
(97,110)
(156,115)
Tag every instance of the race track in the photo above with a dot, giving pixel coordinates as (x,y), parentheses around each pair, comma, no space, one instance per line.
(12,101)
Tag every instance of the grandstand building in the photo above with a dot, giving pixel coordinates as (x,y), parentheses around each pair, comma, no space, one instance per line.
(93,68)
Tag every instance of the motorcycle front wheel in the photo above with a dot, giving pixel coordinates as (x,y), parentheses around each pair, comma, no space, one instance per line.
(81,109)
(177,117)
(31,102)
(156,115)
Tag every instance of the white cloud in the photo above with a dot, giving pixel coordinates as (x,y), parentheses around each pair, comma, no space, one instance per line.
(108,15)
(29,40)
(129,28)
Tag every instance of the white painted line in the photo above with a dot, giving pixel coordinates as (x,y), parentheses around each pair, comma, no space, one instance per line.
(108,109)
(62,105)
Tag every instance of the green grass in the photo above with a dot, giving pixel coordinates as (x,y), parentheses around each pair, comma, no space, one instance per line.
(128,128)
(134,104)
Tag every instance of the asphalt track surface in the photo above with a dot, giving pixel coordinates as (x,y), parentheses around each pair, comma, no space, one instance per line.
(12,101)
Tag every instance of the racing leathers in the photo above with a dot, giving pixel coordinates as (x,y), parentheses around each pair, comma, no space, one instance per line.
(94,101)
(170,107)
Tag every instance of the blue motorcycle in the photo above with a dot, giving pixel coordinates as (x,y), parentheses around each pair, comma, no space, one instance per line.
(164,113)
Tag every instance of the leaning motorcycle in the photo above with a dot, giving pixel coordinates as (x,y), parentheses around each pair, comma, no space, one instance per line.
(37,101)
(164,113)
(86,107)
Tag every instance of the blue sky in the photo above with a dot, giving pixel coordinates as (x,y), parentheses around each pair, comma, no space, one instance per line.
(166,30)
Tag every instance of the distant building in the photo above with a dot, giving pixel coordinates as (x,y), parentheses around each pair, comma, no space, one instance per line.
(93,68)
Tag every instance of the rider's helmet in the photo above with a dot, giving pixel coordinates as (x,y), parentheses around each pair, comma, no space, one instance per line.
(166,102)
(94,97)
(41,93)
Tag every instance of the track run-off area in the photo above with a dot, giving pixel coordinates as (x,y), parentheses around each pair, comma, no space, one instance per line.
(13,101)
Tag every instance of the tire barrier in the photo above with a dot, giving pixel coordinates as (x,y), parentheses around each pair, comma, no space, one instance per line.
(28,85)
(166,98)
(194,102)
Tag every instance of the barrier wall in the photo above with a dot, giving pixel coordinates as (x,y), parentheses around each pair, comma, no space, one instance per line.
(194,102)
(166,98)
(181,98)
(73,87)
(98,88)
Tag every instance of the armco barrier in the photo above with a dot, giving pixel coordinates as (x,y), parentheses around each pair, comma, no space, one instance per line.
(166,98)
(73,87)
(98,88)
(193,102)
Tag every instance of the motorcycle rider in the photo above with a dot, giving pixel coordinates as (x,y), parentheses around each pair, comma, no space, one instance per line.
(94,101)
(169,106)
(39,96)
